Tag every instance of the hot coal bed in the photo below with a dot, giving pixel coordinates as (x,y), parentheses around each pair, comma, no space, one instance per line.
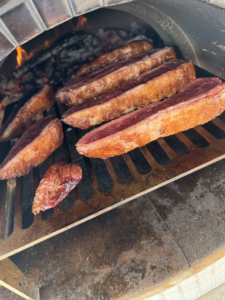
(51,58)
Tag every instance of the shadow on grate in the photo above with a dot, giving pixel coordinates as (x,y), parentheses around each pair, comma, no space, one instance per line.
(222,117)
(102,175)
(27,200)
(215,131)
(196,138)
(122,171)
(158,153)
(178,147)
(140,161)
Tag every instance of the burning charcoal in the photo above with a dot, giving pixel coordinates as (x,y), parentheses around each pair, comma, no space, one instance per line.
(75,54)
(116,40)
(69,72)
(56,50)
(28,87)
(63,53)
(28,77)
(139,38)
(39,81)
(18,73)
(45,80)
(86,55)
(137,29)
(96,43)
(49,71)
(45,56)
(123,33)
(9,86)
(100,33)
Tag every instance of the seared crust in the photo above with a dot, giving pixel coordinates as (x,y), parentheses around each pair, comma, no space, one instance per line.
(24,115)
(74,96)
(59,180)
(119,54)
(29,151)
(154,90)
(177,118)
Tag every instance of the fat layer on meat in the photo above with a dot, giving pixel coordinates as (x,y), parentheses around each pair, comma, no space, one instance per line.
(118,54)
(169,79)
(35,145)
(196,104)
(59,180)
(107,80)
(25,113)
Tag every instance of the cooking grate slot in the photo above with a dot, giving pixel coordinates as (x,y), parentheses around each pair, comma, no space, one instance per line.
(196,138)
(178,147)
(122,171)
(84,187)
(158,153)
(102,175)
(140,161)
(27,200)
(214,130)
(222,117)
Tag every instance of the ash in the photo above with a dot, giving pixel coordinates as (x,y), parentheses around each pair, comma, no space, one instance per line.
(55,64)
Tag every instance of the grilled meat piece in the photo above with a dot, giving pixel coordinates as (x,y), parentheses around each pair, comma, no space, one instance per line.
(118,54)
(199,102)
(25,113)
(150,87)
(113,77)
(35,145)
(59,180)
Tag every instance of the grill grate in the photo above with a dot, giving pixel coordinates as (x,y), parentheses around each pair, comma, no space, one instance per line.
(105,183)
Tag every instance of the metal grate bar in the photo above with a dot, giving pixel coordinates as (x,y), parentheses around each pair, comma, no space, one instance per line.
(105,184)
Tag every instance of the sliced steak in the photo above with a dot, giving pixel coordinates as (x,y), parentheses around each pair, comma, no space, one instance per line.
(150,87)
(59,180)
(118,54)
(113,77)
(35,145)
(199,102)
(26,112)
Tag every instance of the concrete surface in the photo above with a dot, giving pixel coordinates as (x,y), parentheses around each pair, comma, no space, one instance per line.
(132,249)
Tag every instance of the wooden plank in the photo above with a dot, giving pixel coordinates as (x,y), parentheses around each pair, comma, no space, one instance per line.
(14,280)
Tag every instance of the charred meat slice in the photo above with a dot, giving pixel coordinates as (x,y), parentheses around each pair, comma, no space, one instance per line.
(113,77)
(59,180)
(35,145)
(150,87)
(25,113)
(199,102)
(121,53)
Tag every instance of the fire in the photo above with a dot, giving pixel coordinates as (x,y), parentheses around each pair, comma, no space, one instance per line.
(47,44)
(22,56)
(81,21)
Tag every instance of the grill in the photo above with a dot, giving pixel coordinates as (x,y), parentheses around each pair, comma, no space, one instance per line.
(109,183)
(106,184)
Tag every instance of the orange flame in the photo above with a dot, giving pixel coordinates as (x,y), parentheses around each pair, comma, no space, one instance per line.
(81,21)
(22,56)
(47,44)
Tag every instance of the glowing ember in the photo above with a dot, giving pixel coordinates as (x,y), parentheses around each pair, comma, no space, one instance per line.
(22,56)
(47,44)
(81,21)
